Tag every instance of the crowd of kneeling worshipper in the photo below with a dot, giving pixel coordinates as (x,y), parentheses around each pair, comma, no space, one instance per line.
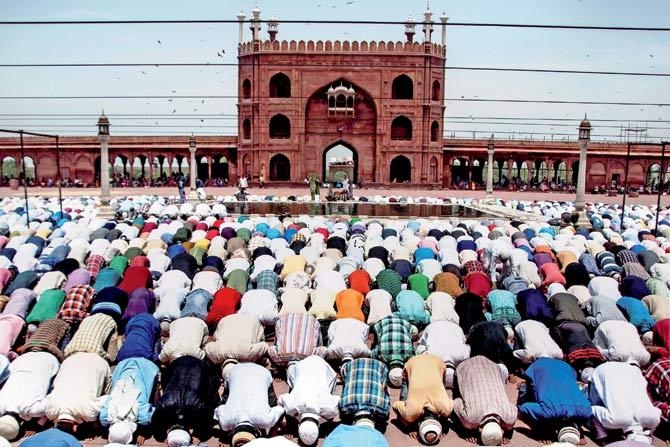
(177,327)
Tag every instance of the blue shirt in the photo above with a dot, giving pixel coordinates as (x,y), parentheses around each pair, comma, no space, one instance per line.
(140,373)
(411,307)
(637,313)
(350,435)
(142,332)
(552,393)
(53,438)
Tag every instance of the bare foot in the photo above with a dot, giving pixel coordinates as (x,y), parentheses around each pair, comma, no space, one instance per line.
(582,441)
(140,440)
(472,440)
(506,440)
(511,379)
(414,435)
(195,441)
(546,441)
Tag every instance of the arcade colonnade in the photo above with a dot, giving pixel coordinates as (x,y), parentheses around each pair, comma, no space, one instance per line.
(552,162)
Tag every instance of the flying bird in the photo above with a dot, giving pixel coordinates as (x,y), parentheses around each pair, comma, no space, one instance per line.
(143,72)
(174,91)
(174,110)
(159,42)
(219,54)
(350,2)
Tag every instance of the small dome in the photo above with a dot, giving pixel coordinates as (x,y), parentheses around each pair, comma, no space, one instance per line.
(331,90)
(585,123)
(103,119)
(351,91)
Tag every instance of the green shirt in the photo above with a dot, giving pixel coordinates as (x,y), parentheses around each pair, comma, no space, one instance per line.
(47,306)
(419,283)
(119,263)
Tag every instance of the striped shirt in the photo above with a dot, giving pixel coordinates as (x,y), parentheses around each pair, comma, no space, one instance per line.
(94,264)
(48,337)
(481,387)
(297,336)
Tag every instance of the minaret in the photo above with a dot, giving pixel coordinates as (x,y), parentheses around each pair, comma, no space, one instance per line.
(410,27)
(255,24)
(444,19)
(273,28)
(428,23)
(240,19)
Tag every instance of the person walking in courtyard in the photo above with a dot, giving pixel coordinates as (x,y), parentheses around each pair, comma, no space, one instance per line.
(313,187)
(181,182)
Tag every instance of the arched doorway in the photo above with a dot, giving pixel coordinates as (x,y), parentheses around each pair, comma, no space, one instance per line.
(340,158)
(280,168)
(9,169)
(30,168)
(401,170)
(220,167)
(203,168)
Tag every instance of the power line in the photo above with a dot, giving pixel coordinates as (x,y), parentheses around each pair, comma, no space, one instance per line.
(506,100)
(327,22)
(242,64)
(185,116)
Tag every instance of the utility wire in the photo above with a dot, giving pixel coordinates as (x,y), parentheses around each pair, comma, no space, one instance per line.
(414,66)
(185,116)
(508,100)
(326,22)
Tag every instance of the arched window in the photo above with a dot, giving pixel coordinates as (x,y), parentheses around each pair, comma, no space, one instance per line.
(401,128)
(401,170)
(246,129)
(434,131)
(280,168)
(402,88)
(341,101)
(436,91)
(433,170)
(246,89)
(280,127)
(331,102)
(280,86)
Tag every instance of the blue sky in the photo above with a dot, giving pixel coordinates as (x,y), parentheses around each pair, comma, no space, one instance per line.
(529,48)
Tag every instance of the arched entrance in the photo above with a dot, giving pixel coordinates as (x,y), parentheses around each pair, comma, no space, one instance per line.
(401,170)
(280,168)
(339,159)
(220,167)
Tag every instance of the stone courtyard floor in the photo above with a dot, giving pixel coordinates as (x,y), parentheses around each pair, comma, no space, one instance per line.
(643,199)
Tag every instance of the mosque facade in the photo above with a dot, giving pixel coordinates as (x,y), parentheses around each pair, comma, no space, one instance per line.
(312,107)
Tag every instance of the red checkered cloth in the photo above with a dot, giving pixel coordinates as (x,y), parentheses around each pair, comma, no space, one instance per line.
(584,354)
(94,264)
(77,302)
(658,378)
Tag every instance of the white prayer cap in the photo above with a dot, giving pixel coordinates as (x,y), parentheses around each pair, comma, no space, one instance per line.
(586,374)
(492,433)
(569,435)
(178,438)
(430,431)
(9,427)
(395,377)
(308,430)
(121,432)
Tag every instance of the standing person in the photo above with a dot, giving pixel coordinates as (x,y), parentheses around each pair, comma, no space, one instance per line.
(313,187)
(243,184)
(345,187)
(181,182)
(261,177)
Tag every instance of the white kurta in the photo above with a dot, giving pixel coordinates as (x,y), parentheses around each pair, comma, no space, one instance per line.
(347,337)
(446,340)
(619,341)
(619,399)
(28,384)
(248,385)
(79,388)
(379,302)
(312,382)
(187,337)
(441,306)
(207,280)
(262,304)
(536,341)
